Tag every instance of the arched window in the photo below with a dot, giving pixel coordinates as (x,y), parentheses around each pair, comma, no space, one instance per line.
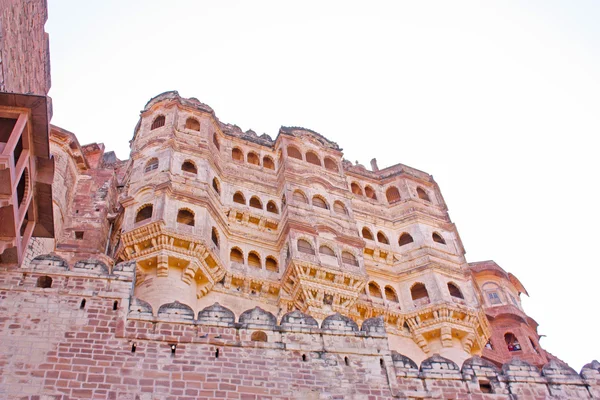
(237,155)
(349,259)
(185,216)
(511,342)
(216,141)
(492,290)
(392,195)
(214,235)
(216,185)
(330,164)
(422,194)
(254,260)
(374,290)
(356,189)
(239,198)
(312,158)
(192,123)
(319,202)
(255,202)
(158,122)
(44,282)
(253,158)
(144,213)
(271,264)
(268,162)
(305,247)
(293,152)
(366,233)
(381,238)
(419,294)
(236,256)
(151,165)
(370,193)
(533,346)
(340,208)
(189,166)
(300,197)
(405,239)
(258,336)
(438,238)
(326,250)
(390,294)
(272,207)
(454,291)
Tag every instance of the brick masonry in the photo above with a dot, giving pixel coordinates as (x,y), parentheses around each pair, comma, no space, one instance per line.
(56,347)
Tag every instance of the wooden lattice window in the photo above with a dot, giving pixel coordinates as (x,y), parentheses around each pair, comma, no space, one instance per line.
(349,259)
(158,122)
(305,247)
(392,194)
(151,165)
(326,250)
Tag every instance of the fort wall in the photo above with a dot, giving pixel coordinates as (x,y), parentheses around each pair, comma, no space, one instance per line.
(85,336)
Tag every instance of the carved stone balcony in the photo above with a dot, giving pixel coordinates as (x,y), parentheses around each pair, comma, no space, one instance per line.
(318,290)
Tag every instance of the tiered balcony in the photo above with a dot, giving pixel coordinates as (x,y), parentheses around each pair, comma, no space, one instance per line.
(23,135)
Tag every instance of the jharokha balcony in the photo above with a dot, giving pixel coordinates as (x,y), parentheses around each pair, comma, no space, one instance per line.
(26,173)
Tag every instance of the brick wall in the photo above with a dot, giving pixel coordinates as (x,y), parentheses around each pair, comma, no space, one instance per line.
(24,47)
(53,345)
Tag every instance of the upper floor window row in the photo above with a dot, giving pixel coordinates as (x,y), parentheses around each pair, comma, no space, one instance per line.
(404,239)
(392,194)
(313,158)
(319,202)
(255,202)
(305,247)
(252,158)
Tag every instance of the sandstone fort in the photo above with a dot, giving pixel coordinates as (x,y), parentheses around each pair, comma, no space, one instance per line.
(217,263)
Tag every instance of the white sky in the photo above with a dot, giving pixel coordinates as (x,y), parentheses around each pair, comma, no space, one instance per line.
(500,101)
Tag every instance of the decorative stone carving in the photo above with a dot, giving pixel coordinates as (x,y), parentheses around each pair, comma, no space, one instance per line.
(216,314)
(340,323)
(257,318)
(176,311)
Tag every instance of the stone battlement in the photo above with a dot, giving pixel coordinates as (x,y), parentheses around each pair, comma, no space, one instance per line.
(83,335)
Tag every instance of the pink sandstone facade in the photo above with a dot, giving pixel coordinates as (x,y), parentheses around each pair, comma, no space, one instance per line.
(216,263)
